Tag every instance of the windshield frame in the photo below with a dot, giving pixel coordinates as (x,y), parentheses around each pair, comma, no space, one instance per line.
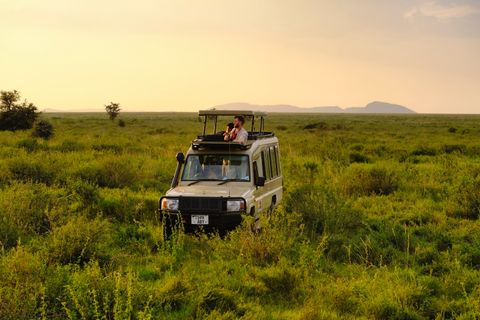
(217,180)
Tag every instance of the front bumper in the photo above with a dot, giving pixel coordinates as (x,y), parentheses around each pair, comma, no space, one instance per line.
(221,221)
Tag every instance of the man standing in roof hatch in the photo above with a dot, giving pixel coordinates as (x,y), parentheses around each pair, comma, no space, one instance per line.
(239,134)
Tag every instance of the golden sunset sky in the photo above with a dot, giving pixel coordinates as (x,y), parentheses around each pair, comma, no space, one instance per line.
(183,55)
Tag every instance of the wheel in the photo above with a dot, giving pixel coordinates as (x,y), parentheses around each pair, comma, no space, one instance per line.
(272,205)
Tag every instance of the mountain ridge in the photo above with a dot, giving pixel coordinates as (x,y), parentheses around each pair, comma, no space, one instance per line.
(372,107)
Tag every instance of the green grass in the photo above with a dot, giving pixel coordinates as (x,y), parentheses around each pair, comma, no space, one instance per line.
(380,220)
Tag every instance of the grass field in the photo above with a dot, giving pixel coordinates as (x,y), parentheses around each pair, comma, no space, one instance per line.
(380,220)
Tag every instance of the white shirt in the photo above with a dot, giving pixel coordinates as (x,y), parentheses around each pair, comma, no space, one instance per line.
(242,136)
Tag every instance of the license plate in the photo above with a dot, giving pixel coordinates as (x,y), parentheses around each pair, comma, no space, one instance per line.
(200,219)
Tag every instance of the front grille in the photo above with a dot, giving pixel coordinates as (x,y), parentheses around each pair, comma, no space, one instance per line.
(200,204)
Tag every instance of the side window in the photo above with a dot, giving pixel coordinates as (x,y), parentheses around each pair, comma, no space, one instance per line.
(273,161)
(277,157)
(266,163)
(255,171)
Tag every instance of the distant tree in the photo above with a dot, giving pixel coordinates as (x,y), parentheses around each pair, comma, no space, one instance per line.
(8,99)
(15,115)
(113,110)
(43,129)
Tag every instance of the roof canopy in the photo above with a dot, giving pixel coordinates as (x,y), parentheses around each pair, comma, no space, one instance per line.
(214,112)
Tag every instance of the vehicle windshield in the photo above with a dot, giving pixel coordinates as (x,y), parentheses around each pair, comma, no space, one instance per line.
(216,167)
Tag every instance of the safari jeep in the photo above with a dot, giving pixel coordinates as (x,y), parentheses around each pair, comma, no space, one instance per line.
(217,183)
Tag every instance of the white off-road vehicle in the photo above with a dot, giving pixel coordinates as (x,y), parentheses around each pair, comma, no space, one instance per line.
(217,183)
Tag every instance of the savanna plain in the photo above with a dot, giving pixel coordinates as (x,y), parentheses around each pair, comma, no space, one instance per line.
(380,220)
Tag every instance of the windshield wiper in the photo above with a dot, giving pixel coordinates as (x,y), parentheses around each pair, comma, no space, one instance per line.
(194,182)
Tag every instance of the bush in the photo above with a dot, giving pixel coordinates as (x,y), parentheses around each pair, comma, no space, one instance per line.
(281,282)
(71,146)
(23,212)
(31,170)
(121,123)
(14,115)
(317,125)
(21,280)
(30,145)
(79,241)
(43,129)
(110,173)
(117,173)
(424,151)
(321,209)
(125,205)
(466,201)
(220,300)
(113,148)
(87,194)
(451,148)
(358,158)
(370,180)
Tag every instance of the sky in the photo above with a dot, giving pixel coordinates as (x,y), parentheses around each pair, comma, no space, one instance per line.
(185,55)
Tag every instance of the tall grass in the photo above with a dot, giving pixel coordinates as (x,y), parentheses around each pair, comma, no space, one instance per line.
(379,221)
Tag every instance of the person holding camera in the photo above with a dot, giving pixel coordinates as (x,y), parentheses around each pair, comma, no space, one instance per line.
(238,134)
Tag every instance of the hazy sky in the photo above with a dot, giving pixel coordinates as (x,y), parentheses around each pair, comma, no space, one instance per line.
(189,54)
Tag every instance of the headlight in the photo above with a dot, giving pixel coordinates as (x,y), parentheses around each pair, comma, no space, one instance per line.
(169,204)
(235,205)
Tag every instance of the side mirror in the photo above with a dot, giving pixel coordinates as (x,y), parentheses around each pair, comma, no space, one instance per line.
(260,182)
(180,157)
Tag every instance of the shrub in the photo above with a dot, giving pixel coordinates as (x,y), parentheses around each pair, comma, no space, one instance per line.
(21,281)
(14,115)
(125,205)
(317,125)
(452,130)
(43,129)
(424,151)
(321,209)
(121,123)
(466,200)
(79,241)
(282,128)
(172,294)
(30,145)
(110,173)
(451,148)
(87,193)
(357,147)
(94,293)
(282,282)
(70,146)
(23,212)
(117,173)
(363,179)
(220,300)
(113,148)
(31,170)
(358,158)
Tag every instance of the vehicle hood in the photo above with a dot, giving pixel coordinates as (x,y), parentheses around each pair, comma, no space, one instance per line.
(200,190)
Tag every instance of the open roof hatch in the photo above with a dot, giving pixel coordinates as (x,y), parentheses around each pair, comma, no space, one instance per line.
(215,140)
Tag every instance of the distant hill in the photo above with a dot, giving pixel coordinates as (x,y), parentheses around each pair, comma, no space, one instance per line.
(373,107)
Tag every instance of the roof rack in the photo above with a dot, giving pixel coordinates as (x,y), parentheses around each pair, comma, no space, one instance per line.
(216,141)
(213,114)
